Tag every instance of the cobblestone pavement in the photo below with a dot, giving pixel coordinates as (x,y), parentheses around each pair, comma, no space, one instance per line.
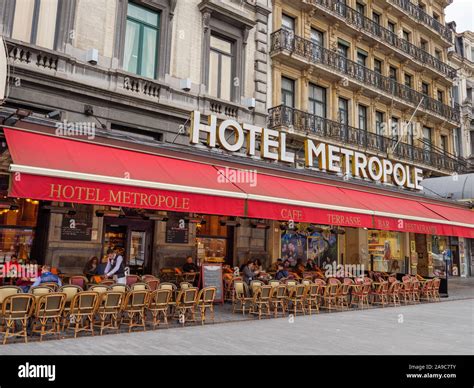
(432,328)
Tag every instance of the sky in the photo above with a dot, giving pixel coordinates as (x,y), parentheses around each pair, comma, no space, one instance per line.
(462,12)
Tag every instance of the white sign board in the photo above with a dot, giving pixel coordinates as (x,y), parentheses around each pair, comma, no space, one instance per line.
(3,70)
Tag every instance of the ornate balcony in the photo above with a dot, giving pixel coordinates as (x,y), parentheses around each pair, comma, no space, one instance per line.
(368,26)
(422,17)
(285,41)
(304,122)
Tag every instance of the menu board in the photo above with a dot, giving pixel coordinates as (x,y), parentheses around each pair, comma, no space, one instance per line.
(177,231)
(77,227)
(211,276)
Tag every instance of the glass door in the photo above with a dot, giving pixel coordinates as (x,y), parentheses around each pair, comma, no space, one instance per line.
(137,248)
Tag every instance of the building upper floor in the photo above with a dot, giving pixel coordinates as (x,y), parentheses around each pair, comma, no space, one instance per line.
(206,54)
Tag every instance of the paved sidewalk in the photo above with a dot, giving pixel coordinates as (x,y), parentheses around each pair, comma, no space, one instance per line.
(460,288)
(434,328)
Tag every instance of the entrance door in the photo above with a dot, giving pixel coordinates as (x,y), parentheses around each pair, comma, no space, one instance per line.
(134,238)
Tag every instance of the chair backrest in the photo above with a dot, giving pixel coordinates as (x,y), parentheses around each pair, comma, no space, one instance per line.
(280,291)
(167,286)
(368,280)
(160,297)
(7,291)
(147,277)
(301,290)
(190,277)
(239,288)
(394,287)
(50,305)
(406,277)
(132,279)
(392,279)
(70,290)
(335,281)
(85,302)
(291,282)
(116,287)
(107,282)
(152,284)
(209,294)
(189,295)
(274,283)
(139,286)
(99,288)
(266,292)
(40,290)
(52,285)
(436,284)
(18,305)
(348,281)
(112,300)
(320,282)
(306,282)
(254,284)
(185,285)
(78,280)
(137,299)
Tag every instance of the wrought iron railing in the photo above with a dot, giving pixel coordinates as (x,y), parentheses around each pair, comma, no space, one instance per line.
(304,122)
(286,40)
(421,16)
(368,26)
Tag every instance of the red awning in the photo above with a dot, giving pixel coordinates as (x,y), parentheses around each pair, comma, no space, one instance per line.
(55,168)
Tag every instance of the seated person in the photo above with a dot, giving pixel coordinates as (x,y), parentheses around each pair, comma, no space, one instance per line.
(281,273)
(47,277)
(249,272)
(258,265)
(189,266)
(91,267)
(274,266)
(310,265)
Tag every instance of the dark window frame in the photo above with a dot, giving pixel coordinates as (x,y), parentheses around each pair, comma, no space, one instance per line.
(313,102)
(286,92)
(233,64)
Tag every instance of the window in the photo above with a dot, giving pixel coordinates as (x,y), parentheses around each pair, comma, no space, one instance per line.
(376,18)
(378,64)
(317,100)
(408,80)
(471,135)
(288,22)
(35,21)
(317,37)
(363,117)
(361,57)
(141,41)
(391,27)
(220,68)
(427,138)
(395,128)
(425,88)
(406,35)
(436,16)
(393,73)
(438,55)
(424,45)
(456,94)
(440,95)
(360,8)
(343,111)
(422,6)
(444,143)
(288,92)
(343,48)
(379,123)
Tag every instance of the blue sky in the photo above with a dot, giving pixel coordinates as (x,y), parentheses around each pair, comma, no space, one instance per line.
(462,12)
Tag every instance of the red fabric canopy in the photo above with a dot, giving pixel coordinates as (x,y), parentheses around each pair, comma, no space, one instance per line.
(59,169)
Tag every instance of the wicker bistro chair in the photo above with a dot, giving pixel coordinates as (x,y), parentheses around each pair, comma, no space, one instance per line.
(205,302)
(279,300)
(108,312)
(40,290)
(393,293)
(426,292)
(342,298)
(312,297)
(139,286)
(274,283)
(158,303)
(70,290)
(254,284)
(360,293)
(79,280)
(6,291)
(297,298)
(49,310)
(406,290)
(107,282)
(133,309)
(190,277)
(16,308)
(380,294)
(82,311)
(186,302)
(132,279)
(172,287)
(240,300)
(261,300)
(152,284)
(147,277)
(99,288)
(54,286)
(415,290)
(330,294)
(116,287)
(185,285)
